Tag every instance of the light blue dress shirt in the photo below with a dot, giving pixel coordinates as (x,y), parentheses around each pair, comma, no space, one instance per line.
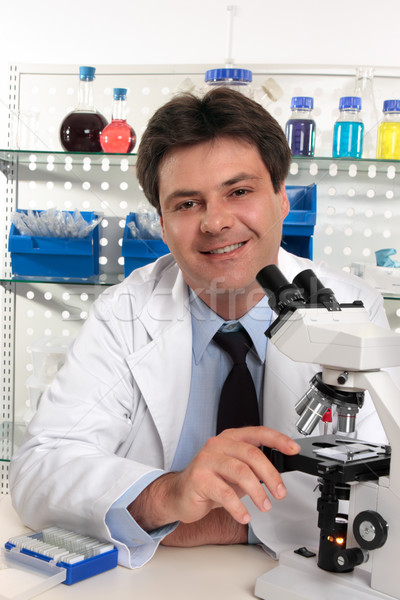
(210,367)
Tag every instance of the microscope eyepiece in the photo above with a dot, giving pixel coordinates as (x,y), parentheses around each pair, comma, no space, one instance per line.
(306,289)
(281,294)
(313,290)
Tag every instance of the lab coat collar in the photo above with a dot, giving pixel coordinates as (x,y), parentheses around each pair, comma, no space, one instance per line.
(167,304)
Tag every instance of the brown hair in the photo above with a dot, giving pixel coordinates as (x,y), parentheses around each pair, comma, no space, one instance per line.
(187,120)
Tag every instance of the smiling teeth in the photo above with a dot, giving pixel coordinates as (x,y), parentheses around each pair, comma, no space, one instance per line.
(226,249)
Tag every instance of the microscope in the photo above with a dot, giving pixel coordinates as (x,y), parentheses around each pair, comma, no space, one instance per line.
(357,556)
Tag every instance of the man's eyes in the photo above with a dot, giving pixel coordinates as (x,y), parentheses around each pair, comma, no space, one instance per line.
(240,192)
(186,205)
(189,204)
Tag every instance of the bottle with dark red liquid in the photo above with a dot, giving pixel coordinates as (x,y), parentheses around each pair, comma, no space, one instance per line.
(80,130)
(118,136)
(300,128)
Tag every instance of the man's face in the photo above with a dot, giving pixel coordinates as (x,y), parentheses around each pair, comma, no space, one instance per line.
(221,219)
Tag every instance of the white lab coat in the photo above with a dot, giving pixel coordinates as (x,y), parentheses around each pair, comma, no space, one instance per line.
(115,410)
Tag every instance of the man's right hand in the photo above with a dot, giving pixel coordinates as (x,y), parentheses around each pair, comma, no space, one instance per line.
(228,467)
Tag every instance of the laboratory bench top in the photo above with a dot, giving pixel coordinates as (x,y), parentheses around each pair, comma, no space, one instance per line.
(173,573)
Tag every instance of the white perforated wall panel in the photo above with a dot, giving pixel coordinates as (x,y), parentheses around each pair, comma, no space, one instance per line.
(358,203)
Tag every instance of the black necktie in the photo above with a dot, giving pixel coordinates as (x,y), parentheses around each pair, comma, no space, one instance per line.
(238,404)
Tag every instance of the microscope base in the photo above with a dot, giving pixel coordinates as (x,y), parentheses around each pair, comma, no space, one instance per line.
(299,578)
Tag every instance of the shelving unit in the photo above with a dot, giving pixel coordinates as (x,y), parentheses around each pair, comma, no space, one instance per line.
(358,212)
(358,206)
(34,307)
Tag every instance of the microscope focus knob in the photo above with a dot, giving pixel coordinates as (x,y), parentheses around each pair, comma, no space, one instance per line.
(345,559)
(370,530)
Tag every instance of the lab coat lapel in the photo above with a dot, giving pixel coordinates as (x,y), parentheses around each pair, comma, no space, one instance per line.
(162,368)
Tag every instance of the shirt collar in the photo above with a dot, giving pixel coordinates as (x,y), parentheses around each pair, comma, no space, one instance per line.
(206,323)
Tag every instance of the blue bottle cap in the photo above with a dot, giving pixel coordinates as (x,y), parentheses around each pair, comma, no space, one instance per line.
(86,73)
(391,106)
(238,75)
(302,102)
(120,93)
(350,102)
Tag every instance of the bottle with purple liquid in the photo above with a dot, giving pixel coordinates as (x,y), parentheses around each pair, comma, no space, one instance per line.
(300,128)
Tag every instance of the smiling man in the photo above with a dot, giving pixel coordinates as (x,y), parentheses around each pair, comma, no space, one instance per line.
(222,222)
(124,445)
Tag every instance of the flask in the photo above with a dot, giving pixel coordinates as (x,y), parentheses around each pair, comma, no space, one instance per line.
(240,80)
(118,136)
(348,129)
(236,79)
(388,143)
(300,128)
(364,89)
(81,128)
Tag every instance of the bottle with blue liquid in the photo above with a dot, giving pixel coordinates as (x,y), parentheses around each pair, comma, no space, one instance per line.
(300,128)
(348,131)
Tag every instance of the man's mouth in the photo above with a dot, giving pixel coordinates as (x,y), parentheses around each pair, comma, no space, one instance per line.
(226,249)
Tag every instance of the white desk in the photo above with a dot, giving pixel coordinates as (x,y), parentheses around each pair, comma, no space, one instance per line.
(204,573)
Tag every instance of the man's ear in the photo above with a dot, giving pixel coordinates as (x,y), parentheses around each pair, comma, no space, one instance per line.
(162,229)
(285,204)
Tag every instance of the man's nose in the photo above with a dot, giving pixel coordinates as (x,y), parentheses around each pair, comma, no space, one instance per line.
(216,217)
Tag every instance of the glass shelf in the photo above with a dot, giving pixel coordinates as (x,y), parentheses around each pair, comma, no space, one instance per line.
(326,163)
(10,438)
(104,279)
(29,160)
(390,296)
(44,157)
(60,157)
(108,279)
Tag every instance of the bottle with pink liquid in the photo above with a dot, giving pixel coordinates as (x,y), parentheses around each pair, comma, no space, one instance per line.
(118,136)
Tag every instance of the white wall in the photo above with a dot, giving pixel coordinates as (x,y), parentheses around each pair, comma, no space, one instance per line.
(360,32)
(189,31)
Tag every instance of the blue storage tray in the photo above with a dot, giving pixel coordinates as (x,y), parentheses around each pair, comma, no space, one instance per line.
(303,210)
(137,252)
(298,227)
(300,245)
(39,256)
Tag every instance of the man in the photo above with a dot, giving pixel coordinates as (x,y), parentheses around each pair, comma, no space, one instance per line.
(123,446)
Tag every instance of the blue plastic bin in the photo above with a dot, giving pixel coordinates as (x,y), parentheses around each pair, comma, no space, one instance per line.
(138,252)
(39,256)
(298,227)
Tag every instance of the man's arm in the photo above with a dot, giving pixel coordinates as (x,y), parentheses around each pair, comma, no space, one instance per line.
(218,527)
(228,467)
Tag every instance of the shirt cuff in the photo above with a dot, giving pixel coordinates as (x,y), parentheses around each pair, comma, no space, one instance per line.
(122,525)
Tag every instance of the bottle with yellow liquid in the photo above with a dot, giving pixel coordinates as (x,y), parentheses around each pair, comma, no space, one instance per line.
(388,142)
